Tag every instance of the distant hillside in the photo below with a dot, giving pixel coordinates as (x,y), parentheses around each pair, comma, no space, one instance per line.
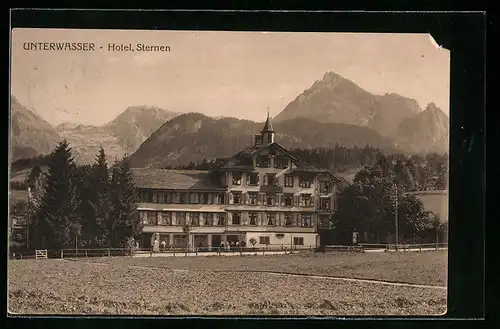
(120,137)
(427,131)
(137,123)
(30,134)
(339,100)
(194,136)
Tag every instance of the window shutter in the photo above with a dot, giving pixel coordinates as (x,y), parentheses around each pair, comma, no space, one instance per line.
(247,175)
(231,198)
(295,200)
(174,218)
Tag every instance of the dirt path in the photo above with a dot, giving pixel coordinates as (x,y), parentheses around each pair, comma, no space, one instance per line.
(325,277)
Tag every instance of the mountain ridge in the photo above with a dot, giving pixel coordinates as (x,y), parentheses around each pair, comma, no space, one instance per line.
(194,136)
(337,99)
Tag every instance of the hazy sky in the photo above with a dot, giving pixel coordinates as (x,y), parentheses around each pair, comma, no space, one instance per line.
(234,74)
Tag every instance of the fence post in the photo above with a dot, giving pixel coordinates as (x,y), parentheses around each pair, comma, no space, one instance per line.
(85,253)
(109,252)
(196,250)
(62,253)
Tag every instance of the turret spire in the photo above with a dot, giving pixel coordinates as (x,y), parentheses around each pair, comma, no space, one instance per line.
(268,131)
(268,127)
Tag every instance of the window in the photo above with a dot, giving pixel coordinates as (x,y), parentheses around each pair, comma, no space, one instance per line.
(236,178)
(305,182)
(252,198)
(263,162)
(236,219)
(270,199)
(271,219)
(154,197)
(306,220)
(203,198)
(280,163)
(183,198)
(253,218)
(221,220)
(325,204)
(298,241)
(220,198)
(165,218)
(325,187)
(161,197)
(264,240)
(208,219)
(252,179)
(305,200)
(270,180)
(288,220)
(288,200)
(288,181)
(181,218)
(169,197)
(236,197)
(194,218)
(151,218)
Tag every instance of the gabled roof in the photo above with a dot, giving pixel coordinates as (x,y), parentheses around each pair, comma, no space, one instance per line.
(278,146)
(174,179)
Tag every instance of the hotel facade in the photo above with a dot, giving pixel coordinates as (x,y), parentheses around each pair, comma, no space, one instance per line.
(262,193)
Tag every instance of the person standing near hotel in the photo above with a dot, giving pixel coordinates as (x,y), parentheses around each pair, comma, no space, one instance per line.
(155,246)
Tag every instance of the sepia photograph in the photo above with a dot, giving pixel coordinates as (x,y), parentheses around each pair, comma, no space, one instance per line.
(221,173)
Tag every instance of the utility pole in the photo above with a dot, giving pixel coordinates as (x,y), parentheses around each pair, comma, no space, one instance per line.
(28,221)
(396,204)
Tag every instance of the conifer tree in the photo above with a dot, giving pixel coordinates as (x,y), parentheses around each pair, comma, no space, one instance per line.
(124,221)
(57,221)
(33,176)
(101,191)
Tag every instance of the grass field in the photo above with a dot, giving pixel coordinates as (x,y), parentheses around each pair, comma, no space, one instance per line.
(231,285)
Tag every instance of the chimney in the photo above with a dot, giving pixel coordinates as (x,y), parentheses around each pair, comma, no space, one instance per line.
(258,140)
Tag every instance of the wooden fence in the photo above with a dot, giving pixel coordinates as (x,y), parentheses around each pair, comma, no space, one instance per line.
(183,251)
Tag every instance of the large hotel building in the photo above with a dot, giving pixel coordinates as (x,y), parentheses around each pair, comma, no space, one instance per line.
(262,192)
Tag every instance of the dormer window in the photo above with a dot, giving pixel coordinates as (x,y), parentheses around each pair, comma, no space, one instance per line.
(263,162)
(236,178)
(280,163)
(253,179)
(305,182)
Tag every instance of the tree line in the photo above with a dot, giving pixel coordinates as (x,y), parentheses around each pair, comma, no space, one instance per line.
(369,207)
(89,206)
(416,172)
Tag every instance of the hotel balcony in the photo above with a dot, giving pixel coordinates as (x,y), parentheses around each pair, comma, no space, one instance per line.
(271,189)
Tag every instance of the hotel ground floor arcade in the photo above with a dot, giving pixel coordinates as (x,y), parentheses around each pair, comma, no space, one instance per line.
(213,225)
